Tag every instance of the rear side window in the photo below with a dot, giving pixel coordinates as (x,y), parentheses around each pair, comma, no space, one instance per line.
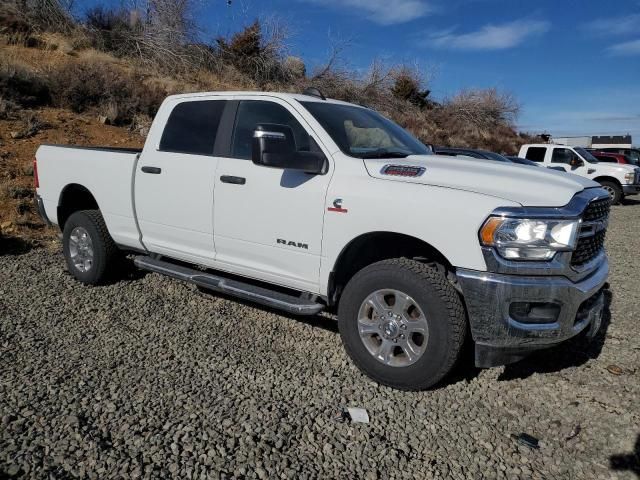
(253,112)
(192,127)
(536,153)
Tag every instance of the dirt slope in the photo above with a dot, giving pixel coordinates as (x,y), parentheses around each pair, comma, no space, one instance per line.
(18,217)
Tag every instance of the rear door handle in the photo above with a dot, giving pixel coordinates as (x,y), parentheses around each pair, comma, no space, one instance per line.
(232,179)
(155,170)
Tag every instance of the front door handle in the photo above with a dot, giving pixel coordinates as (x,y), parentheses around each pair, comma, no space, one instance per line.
(232,179)
(154,170)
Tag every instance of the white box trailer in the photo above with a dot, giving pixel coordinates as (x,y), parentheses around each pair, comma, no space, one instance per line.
(595,141)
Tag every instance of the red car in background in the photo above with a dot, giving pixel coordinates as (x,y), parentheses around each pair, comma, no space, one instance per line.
(613,157)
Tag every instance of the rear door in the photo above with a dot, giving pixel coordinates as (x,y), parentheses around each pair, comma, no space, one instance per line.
(175,180)
(268,221)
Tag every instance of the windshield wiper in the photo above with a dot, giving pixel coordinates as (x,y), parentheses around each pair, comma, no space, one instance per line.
(384,153)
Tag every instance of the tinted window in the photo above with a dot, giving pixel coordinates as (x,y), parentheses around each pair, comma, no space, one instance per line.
(586,155)
(563,155)
(634,155)
(254,112)
(192,127)
(363,133)
(536,153)
(605,158)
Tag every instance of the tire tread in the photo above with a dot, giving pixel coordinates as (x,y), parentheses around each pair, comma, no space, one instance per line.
(433,274)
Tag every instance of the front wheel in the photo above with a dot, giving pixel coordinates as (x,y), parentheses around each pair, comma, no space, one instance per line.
(89,250)
(614,190)
(402,323)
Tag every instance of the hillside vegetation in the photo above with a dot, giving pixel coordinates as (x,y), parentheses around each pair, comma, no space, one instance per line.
(100,79)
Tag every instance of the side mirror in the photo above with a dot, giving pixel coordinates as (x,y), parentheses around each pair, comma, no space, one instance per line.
(576,162)
(274,146)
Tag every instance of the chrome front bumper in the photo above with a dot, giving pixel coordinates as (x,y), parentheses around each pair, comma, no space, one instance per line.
(490,298)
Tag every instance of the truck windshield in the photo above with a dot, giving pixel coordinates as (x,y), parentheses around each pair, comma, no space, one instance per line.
(363,133)
(586,155)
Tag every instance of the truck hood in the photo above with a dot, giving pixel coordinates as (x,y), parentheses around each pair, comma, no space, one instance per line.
(523,184)
(605,168)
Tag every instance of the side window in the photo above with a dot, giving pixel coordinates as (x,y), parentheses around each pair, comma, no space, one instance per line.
(635,156)
(563,155)
(253,112)
(536,154)
(192,126)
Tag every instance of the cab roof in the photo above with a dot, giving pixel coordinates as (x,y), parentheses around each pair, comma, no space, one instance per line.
(301,97)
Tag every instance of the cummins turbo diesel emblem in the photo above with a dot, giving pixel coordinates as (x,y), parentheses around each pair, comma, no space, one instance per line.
(291,243)
(337,206)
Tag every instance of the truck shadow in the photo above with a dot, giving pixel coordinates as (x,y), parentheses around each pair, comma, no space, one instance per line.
(627,462)
(573,353)
(14,246)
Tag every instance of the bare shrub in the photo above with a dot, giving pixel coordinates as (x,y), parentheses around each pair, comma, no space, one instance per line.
(80,86)
(22,86)
(112,30)
(30,126)
(259,51)
(7,108)
(407,85)
(483,108)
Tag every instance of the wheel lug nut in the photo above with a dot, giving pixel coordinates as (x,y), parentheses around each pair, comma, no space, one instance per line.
(402,336)
(403,326)
(395,340)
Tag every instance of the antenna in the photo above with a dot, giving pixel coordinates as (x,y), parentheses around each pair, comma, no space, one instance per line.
(314,92)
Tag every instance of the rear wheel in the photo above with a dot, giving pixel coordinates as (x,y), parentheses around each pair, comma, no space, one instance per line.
(90,252)
(402,323)
(614,190)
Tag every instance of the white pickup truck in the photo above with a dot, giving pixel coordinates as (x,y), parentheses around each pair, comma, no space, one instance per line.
(618,180)
(303,203)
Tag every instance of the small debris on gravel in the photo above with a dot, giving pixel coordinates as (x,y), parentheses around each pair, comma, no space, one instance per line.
(615,370)
(527,440)
(358,415)
(145,378)
(574,432)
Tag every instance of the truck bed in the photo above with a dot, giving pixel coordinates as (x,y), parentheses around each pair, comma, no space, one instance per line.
(106,172)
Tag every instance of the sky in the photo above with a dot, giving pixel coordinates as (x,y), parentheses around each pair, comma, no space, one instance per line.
(573,65)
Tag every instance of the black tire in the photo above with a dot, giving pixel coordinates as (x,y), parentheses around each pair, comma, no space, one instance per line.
(441,305)
(105,251)
(617,195)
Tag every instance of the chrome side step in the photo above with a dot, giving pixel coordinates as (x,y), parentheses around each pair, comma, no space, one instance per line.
(246,291)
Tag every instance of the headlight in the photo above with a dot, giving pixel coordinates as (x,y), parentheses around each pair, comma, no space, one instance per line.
(630,177)
(529,239)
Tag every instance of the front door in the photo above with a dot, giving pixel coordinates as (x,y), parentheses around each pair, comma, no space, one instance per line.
(565,158)
(175,180)
(268,221)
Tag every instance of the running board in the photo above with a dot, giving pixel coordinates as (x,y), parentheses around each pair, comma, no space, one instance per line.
(246,291)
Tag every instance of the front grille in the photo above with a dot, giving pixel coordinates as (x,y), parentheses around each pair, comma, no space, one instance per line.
(597,210)
(591,241)
(588,248)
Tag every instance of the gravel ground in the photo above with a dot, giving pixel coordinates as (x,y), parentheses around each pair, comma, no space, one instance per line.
(150,378)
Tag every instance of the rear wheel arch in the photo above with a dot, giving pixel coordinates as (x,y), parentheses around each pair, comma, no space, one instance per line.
(372,247)
(74,197)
